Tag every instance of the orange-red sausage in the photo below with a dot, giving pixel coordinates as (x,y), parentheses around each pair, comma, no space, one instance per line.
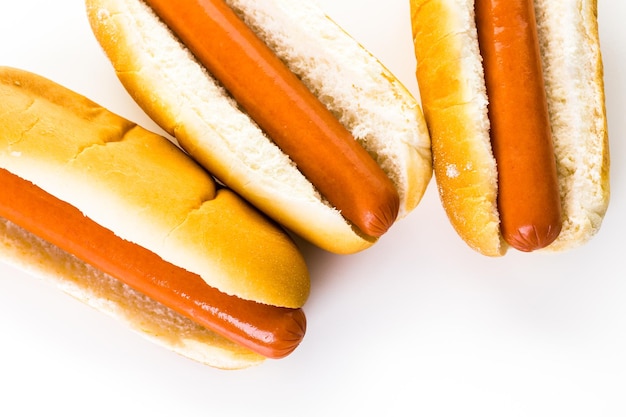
(528,192)
(270,331)
(325,152)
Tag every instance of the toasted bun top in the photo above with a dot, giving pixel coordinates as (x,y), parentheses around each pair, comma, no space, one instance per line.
(175,91)
(144,189)
(452,88)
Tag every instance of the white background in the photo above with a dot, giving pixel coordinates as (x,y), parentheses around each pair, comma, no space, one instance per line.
(417,325)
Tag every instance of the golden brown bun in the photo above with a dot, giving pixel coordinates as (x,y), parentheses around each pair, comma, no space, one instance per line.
(144,189)
(452,89)
(175,91)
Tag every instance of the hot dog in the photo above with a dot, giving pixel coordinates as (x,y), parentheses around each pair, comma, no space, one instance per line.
(130,204)
(528,194)
(514,101)
(338,193)
(284,108)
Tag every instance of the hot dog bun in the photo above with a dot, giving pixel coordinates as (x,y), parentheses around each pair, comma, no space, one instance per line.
(147,191)
(175,91)
(453,93)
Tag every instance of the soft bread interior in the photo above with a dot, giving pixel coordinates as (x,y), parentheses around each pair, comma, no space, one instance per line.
(449,74)
(573,73)
(180,96)
(152,320)
(365,97)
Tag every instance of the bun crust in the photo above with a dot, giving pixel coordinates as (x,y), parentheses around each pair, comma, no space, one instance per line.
(176,92)
(144,189)
(453,93)
(454,96)
(147,191)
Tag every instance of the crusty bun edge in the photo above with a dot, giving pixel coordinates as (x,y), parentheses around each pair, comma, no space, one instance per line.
(451,82)
(450,78)
(187,103)
(148,318)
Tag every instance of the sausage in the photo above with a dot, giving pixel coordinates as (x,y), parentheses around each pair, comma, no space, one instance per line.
(327,154)
(268,330)
(528,192)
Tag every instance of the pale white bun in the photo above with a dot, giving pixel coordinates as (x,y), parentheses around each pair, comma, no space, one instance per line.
(143,188)
(453,93)
(175,91)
